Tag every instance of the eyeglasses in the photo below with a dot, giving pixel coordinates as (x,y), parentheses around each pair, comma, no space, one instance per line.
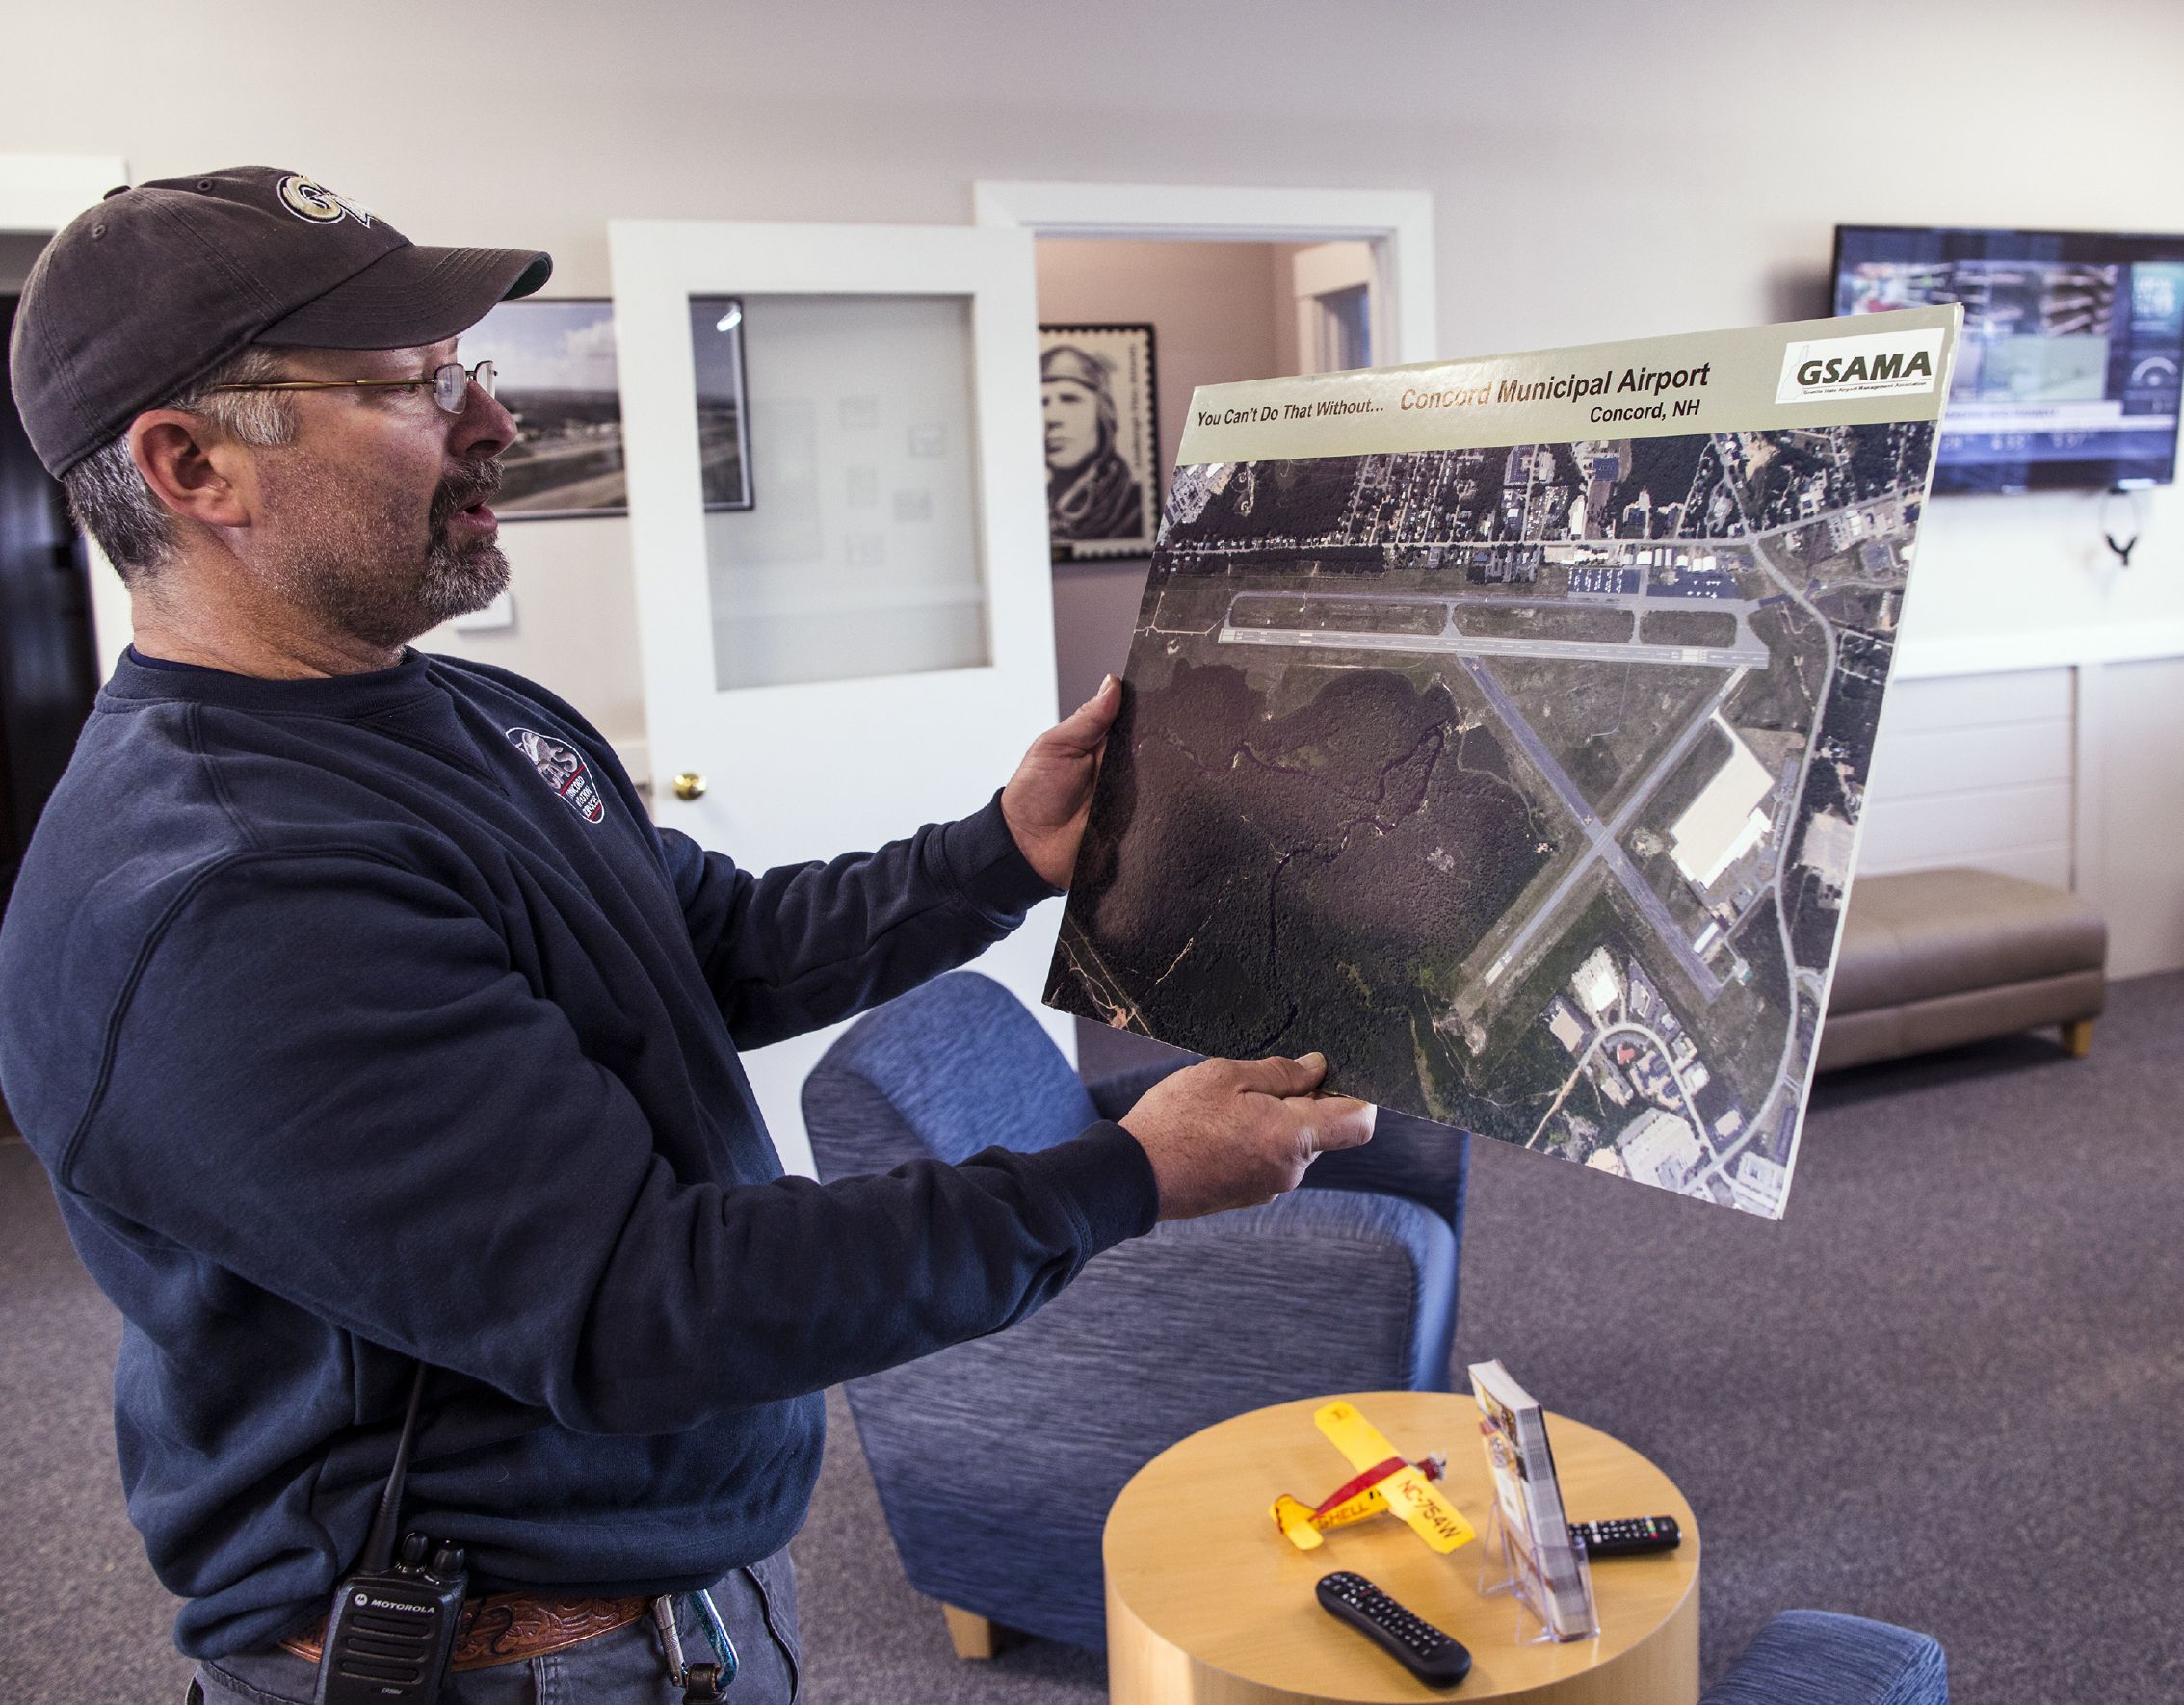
(450,385)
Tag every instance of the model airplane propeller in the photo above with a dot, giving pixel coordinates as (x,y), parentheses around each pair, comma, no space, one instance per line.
(1383,1482)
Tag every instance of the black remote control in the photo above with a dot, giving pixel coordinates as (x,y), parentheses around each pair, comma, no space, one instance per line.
(1428,1654)
(1633,1538)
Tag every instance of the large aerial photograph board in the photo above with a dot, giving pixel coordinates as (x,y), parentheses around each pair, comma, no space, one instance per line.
(1500,729)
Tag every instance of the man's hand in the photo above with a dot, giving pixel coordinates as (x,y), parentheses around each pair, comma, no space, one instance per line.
(1047,801)
(1236,1133)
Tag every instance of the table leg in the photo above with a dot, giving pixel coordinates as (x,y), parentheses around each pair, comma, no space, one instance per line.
(974,1636)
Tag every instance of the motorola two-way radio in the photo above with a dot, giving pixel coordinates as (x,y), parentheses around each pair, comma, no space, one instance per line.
(392,1627)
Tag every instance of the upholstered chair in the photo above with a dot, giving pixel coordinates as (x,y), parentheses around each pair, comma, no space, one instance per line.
(996,1460)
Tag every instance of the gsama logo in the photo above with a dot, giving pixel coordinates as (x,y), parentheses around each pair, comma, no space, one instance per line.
(1881,364)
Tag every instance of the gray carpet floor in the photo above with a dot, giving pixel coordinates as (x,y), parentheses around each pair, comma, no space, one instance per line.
(1948,1390)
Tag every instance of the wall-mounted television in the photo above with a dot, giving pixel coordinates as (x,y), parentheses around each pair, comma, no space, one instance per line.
(2067,374)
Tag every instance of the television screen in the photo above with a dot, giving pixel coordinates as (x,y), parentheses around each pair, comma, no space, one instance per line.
(2067,376)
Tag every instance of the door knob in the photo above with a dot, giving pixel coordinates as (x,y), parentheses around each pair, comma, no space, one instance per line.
(690,785)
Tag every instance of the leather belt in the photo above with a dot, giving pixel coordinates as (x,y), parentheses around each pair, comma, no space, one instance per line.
(510,1627)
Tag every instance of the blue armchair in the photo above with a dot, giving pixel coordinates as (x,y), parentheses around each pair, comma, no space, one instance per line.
(1347,1285)
(1813,1658)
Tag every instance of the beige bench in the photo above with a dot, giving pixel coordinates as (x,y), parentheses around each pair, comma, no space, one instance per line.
(1932,959)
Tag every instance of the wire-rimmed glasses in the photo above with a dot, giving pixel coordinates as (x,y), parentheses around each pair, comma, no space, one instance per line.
(450,385)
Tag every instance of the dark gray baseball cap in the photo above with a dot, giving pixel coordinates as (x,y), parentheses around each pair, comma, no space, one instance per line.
(159,284)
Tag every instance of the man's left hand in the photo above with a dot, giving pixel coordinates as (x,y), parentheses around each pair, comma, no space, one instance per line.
(1050,795)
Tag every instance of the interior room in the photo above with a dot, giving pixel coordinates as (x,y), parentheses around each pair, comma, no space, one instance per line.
(392,1201)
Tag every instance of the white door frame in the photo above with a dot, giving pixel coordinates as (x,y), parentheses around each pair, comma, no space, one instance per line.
(1320,270)
(39,195)
(1399,223)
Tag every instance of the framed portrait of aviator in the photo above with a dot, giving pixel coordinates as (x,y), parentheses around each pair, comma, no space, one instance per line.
(1102,436)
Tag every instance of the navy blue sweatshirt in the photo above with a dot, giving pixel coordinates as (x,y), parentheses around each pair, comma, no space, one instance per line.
(369,1019)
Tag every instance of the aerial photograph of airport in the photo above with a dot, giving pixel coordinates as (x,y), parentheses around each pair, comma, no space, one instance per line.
(1523,782)
(558,379)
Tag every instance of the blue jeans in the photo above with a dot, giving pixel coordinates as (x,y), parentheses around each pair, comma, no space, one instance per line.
(624,1668)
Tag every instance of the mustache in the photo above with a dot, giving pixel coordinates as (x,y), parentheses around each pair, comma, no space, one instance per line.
(458,492)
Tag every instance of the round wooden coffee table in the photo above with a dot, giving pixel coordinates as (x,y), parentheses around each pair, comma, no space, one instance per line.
(1207,1604)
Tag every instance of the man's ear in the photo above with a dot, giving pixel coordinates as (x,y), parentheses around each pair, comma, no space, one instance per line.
(192,468)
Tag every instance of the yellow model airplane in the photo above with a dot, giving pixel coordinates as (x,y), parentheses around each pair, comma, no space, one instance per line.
(1383,1481)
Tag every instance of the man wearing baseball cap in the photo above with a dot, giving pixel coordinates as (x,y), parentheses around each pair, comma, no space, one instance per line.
(377,1042)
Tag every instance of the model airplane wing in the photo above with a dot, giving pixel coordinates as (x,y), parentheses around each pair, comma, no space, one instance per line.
(1431,1516)
(1365,1445)
(1408,1492)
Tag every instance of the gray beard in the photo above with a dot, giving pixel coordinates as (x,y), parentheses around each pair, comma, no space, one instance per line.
(378,603)
(458,582)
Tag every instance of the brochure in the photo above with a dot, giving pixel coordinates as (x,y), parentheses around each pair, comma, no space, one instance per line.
(1547,1570)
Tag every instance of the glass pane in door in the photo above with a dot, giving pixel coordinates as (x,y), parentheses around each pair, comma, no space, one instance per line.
(838,443)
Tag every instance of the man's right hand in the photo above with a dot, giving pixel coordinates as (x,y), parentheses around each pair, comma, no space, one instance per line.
(1236,1133)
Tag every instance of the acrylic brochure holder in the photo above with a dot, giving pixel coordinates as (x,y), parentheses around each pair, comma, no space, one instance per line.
(1506,1568)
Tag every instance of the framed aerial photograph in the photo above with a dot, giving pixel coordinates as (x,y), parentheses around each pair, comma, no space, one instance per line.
(724,404)
(1102,436)
(553,363)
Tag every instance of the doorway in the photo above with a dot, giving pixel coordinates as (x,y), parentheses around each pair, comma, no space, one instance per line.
(1146,322)
(1202,313)
(48,668)
(1258,283)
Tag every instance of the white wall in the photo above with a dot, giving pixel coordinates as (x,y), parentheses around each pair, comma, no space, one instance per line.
(1976,770)
(1601,170)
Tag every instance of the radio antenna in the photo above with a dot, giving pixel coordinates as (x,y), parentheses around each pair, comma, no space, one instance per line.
(378,1546)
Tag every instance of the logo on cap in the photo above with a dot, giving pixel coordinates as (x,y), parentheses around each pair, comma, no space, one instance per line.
(319,204)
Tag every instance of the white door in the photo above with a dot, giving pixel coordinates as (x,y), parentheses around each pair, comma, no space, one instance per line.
(838,510)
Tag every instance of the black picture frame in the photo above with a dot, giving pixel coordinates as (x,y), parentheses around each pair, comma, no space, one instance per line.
(1099,395)
(555,372)
(721,367)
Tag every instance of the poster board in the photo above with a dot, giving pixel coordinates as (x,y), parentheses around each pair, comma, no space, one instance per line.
(1500,729)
